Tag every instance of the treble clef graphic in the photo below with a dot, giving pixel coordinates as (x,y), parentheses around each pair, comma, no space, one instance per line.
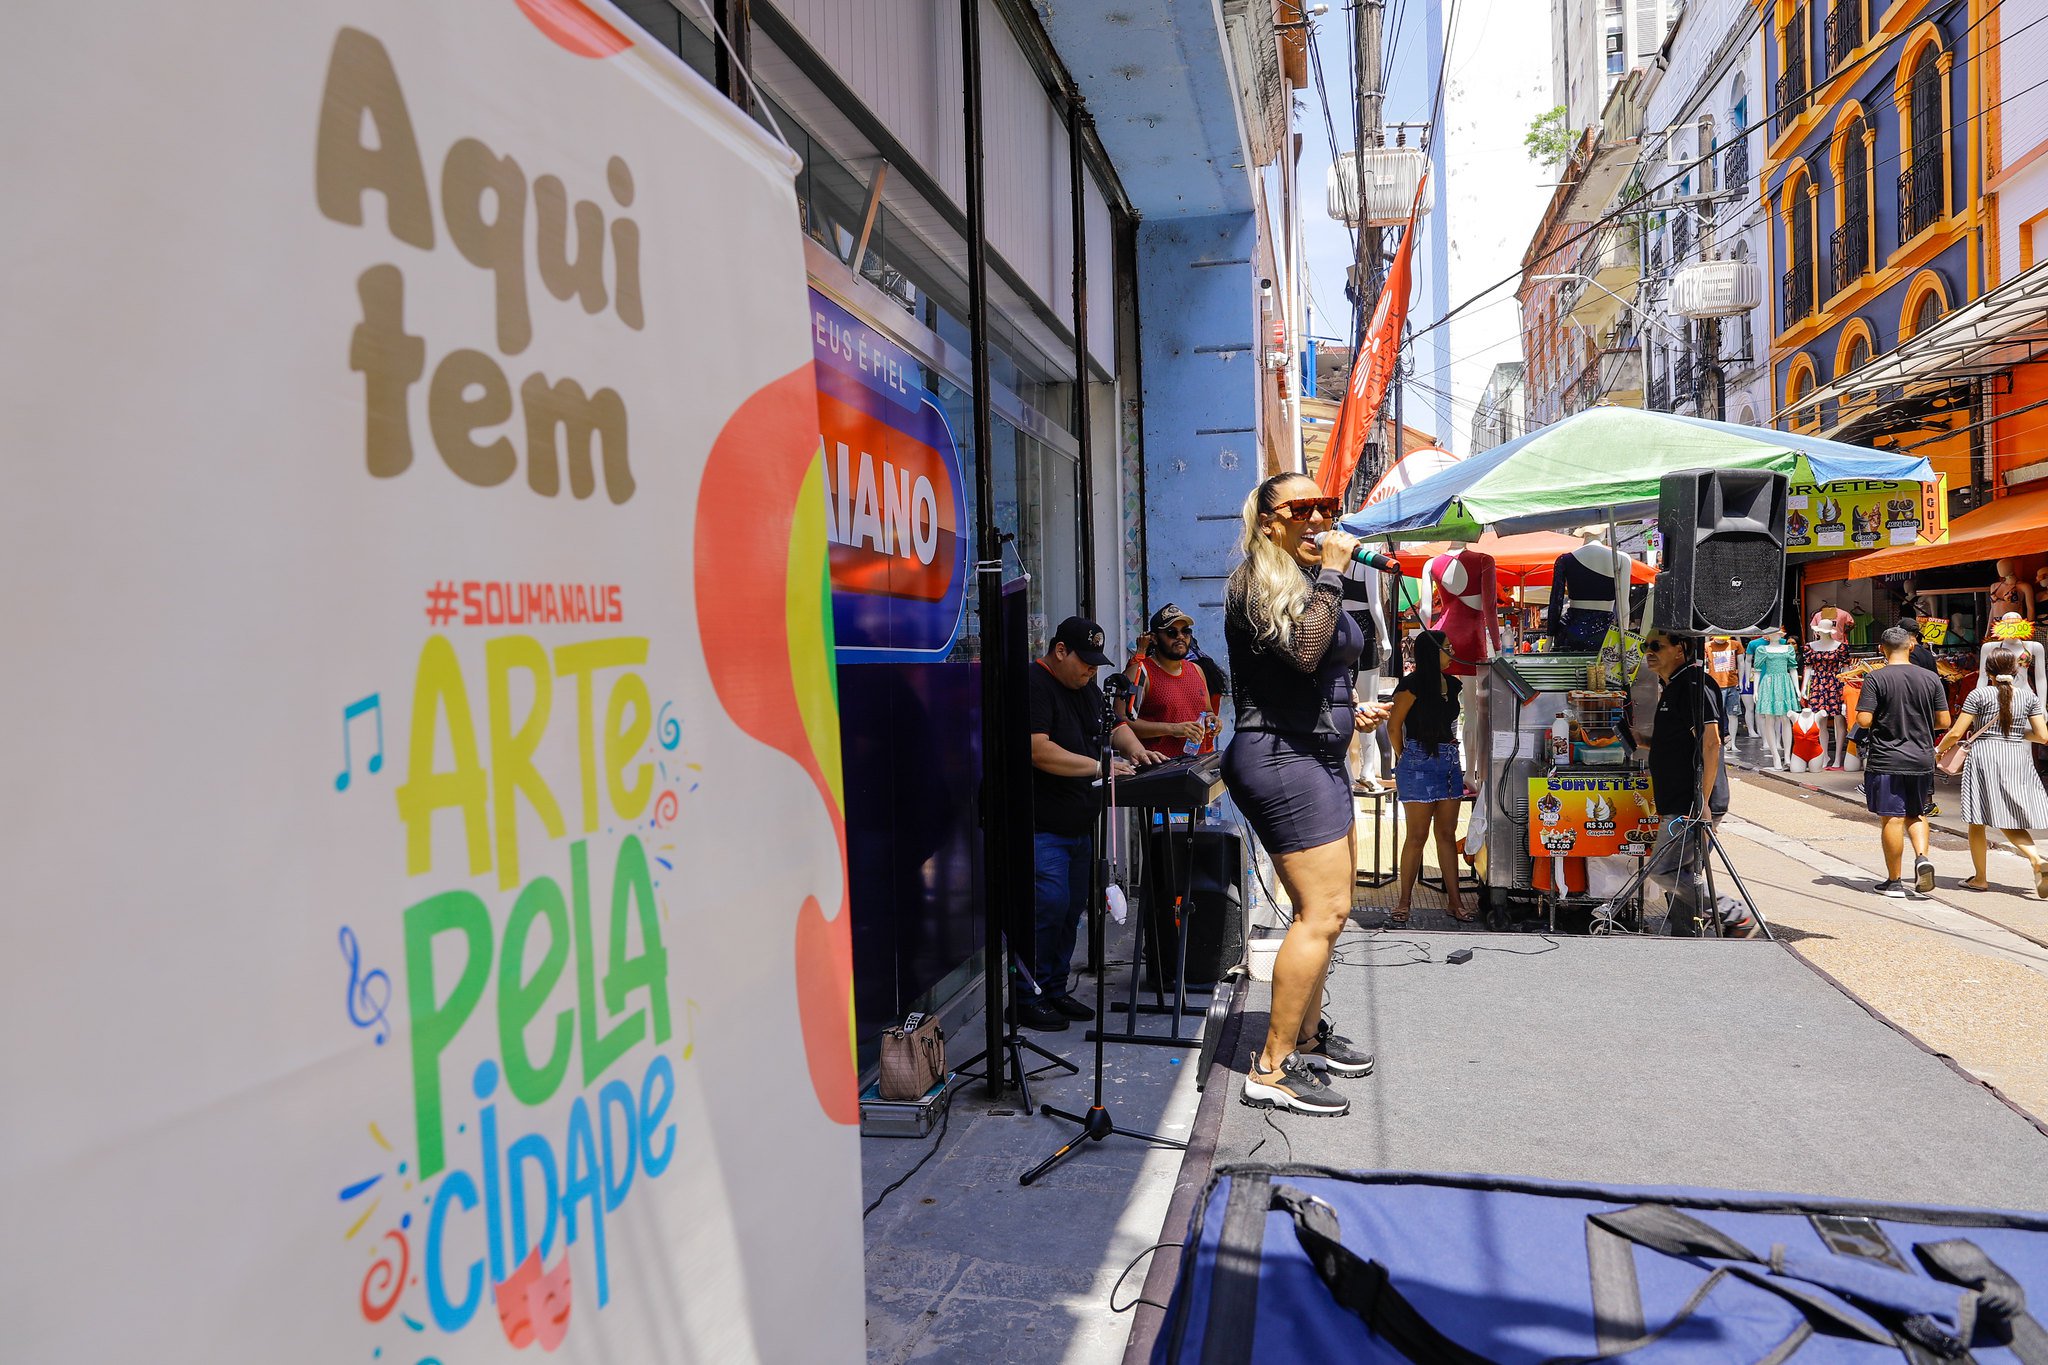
(369,993)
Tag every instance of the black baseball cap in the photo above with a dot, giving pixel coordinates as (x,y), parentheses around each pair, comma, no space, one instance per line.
(1082,637)
(1167,613)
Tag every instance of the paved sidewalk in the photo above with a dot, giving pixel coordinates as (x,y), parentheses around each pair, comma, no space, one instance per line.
(964,1264)
(1966,974)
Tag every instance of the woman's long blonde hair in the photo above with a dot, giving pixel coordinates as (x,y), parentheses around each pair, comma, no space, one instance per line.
(1269,575)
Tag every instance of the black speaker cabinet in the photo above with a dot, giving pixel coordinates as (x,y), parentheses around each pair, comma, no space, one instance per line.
(1215,919)
(1724,551)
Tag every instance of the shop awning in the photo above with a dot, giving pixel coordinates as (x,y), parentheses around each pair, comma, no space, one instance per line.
(1990,333)
(2013,525)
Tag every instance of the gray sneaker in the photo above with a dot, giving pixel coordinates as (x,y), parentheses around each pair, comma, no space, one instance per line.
(1923,876)
(1299,1087)
(1335,1053)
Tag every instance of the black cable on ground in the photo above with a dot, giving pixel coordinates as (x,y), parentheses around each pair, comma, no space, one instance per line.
(944,1120)
(1126,1275)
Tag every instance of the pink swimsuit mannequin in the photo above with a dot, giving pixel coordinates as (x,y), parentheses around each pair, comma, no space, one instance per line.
(1462,590)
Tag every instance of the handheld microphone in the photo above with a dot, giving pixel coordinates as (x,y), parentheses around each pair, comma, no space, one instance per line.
(1367,556)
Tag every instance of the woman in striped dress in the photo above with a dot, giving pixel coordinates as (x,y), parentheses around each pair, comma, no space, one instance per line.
(2000,787)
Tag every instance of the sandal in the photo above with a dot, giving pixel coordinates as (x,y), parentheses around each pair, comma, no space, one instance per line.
(1969,885)
(1461,915)
(1398,916)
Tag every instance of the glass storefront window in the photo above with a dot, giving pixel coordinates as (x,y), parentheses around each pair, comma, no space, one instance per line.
(666,25)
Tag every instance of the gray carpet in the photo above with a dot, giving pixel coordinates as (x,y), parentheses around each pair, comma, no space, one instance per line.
(1661,1062)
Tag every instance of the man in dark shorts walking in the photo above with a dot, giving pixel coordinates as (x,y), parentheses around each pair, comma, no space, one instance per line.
(1901,710)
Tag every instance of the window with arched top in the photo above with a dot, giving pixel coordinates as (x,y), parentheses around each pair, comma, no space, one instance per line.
(1921,182)
(1849,255)
(1799,381)
(1928,312)
(1857,356)
(1796,285)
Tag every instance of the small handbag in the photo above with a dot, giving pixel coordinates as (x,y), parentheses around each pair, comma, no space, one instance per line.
(1950,760)
(913,1058)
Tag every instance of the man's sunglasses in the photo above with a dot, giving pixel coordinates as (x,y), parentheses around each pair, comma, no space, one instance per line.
(1173,630)
(1301,509)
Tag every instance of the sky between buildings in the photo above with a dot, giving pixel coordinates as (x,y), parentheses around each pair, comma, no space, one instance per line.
(1489,194)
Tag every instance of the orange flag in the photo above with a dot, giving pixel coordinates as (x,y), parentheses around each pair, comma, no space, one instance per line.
(1372,369)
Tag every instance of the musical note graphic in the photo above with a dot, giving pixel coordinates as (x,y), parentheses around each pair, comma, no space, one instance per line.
(690,1042)
(374,704)
(369,993)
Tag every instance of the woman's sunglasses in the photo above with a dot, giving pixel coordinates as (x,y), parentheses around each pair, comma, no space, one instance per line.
(1301,509)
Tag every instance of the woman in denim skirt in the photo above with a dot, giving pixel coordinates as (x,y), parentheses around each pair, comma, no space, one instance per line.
(1428,778)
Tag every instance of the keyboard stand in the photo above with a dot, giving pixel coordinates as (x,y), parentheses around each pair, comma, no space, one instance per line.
(1181,888)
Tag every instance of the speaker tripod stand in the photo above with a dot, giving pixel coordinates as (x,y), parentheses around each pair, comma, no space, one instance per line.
(1012,1046)
(1097,1125)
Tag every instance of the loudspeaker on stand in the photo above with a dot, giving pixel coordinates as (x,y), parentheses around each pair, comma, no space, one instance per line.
(1724,551)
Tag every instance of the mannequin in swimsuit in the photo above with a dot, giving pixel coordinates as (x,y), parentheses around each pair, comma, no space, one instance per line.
(2009,594)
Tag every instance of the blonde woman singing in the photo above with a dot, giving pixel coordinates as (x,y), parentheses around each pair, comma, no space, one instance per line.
(1292,652)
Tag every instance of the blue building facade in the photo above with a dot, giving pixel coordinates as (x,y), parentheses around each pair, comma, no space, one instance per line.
(1872,180)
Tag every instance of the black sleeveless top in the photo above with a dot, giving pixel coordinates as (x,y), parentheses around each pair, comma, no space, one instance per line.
(1305,689)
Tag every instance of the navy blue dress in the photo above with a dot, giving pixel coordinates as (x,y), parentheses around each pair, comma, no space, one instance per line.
(1286,765)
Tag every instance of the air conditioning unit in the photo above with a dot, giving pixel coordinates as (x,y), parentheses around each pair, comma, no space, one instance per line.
(1716,289)
(1390,175)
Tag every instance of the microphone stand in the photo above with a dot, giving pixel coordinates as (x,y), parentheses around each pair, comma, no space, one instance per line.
(1096,1124)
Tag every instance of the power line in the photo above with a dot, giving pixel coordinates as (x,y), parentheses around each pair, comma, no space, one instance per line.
(1763,122)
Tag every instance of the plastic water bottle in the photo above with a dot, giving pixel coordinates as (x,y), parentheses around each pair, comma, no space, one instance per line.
(1560,740)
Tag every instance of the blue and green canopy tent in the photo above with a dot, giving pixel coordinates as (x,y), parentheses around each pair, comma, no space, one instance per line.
(1606,464)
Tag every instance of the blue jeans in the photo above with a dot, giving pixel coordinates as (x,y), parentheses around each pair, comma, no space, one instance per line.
(1059,888)
(1731,704)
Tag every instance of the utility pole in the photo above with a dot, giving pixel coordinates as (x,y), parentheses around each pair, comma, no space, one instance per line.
(1370,96)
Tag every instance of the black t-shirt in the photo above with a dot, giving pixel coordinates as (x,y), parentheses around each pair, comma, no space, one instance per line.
(1432,717)
(1072,718)
(1690,702)
(1902,702)
(1924,657)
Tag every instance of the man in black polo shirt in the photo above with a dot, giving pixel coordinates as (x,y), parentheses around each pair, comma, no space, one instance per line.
(1066,731)
(1688,781)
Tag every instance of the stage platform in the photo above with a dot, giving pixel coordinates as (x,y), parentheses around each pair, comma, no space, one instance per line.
(1619,1060)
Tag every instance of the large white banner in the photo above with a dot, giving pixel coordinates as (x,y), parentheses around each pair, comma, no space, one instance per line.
(425,932)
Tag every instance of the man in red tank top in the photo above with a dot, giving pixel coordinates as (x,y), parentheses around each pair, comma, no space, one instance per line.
(1172,692)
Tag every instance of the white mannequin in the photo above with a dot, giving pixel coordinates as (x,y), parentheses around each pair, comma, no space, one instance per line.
(1365,748)
(1587,583)
(1776,730)
(1834,730)
(2033,669)
(1479,572)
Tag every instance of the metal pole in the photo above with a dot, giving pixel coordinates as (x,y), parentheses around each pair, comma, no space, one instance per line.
(1078,122)
(736,17)
(1370,97)
(988,553)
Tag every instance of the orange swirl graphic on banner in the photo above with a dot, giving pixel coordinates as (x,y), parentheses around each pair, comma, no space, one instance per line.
(572,25)
(768,645)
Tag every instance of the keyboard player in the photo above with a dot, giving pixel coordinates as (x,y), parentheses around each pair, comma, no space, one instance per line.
(1068,711)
